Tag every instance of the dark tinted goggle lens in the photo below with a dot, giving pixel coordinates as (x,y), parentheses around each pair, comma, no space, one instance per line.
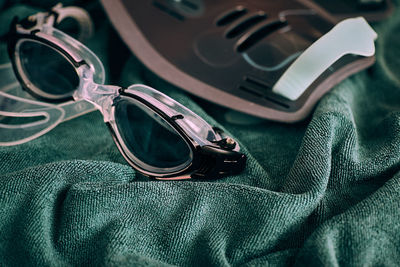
(150,139)
(50,73)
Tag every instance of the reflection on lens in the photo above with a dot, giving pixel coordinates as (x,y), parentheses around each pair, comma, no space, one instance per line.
(149,138)
(50,72)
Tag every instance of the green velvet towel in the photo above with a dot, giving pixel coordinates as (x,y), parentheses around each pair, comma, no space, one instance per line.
(325,191)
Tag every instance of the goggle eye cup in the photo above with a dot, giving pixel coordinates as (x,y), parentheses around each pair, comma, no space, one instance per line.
(148,138)
(44,71)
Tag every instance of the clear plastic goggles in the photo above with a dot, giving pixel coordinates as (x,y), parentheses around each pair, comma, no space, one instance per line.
(24,118)
(157,135)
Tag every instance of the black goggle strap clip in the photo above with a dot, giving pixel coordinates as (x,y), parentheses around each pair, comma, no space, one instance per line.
(220,160)
(217,162)
(225,142)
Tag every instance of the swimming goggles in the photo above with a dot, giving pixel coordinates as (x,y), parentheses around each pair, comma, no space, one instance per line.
(157,136)
(23,117)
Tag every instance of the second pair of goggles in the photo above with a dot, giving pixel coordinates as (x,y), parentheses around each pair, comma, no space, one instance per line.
(158,136)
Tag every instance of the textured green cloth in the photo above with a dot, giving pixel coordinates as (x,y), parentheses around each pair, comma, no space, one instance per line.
(322,192)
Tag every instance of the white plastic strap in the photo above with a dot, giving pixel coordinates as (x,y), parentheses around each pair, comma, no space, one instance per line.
(351,36)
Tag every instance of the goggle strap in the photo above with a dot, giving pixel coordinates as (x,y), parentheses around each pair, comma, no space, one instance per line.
(75,109)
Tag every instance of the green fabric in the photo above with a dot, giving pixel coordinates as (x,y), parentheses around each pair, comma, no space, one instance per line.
(325,191)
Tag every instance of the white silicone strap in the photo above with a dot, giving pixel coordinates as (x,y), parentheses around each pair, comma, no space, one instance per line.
(351,36)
